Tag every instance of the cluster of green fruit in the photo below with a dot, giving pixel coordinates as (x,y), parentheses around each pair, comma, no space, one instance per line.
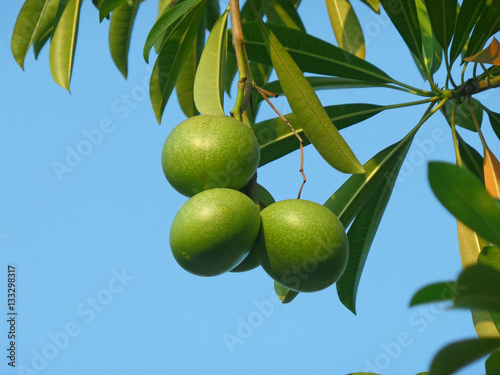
(301,244)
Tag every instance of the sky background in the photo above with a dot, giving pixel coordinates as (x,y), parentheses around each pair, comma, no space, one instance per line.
(94,272)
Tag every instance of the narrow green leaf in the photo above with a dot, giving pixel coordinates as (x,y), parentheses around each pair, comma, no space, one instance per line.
(361,235)
(494,121)
(346,27)
(120,30)
(173,54)
(63,44)
(442,14)
(493,363)
(490,256)
(480,288)
(431,49)
(487,25)
(309,110)
(311,54)
(465,196)
(459,354)
(212,14)
(471,158)
(107,6)
(209,79)
(46,26)
(283,12)
(437,292)
(463,117)
(25,28)
(373,4)
(167,20)
(285,295)
(277,140)
(467,18)
(403,14)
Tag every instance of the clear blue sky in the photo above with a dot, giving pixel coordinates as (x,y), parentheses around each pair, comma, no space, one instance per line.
(94,270)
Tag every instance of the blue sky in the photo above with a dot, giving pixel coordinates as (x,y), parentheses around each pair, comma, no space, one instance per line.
(98,290)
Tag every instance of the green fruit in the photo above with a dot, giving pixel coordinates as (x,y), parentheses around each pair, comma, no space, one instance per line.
(205,152)
(214,231)
(302,245)
(251,261)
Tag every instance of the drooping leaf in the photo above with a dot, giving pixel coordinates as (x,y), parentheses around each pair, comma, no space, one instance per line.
(311,54)
(491,173)
(459,354)
(464,195)
(285,295)
(63,44)
(463,116)
(403,14)
(442,14)
(493,363)
(107,6)
(471,158)
(172,56)
(25,28)
(362,232)
(489,55)
(480,288)
(487,25)
(437,292)
(166,21)
(283,12)
(120,32)
(209,79)
(494,121)
(46,26)
(346,27)
(470,11)
(373,4)
(310,112)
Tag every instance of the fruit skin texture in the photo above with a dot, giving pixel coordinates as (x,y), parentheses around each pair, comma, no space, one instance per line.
(205,152)
(214,231)
(302,245)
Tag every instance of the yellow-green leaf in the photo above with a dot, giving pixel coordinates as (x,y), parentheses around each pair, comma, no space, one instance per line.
(491,173)
(489,55)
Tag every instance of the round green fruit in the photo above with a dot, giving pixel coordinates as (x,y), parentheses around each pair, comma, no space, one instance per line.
(214,231)
(251,261)
(205,152)
(302,245)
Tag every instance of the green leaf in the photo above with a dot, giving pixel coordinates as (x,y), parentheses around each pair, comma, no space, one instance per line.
(480,288)
(467,18)
(306,106)
(346,27)
(311,54)
(431,50)
(120,30)
(212,13)
(373,4)
(209,79)
(27,23)
(285,295)
(463,116)
(493,363)
(465,196)
(107,6)
(351,197)
(361,235)
(471,158)
(172,56)
(63,44)
(442,14)
(283,12)
(487,25)
(458,354)
(403,14)
(494,121)
(277,140)
(46,26)
(166,21)
(437,292)
(490,256)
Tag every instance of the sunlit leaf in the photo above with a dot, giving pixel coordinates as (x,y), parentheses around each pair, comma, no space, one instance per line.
(442,14)
(464,195)
(487,25)
(46,26)
(490,256)
(437,292)
(373,4)
(431,49)
(209,79)
(282,12)
(346,27)
(463,116)
(489,55)
(107,6)
(285,295)
(491,173)
(459,354)
(63,44)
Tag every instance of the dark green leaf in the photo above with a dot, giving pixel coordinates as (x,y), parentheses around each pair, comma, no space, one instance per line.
(487,25)
(46,26)
(231,70)
(307,107)
(120,30)
(463,116)
(493,363)
(442,14)
(494,121)
(443,291)
(212,13)
(480,288)
(285,295)
(467,18)
(63,44)
(107,6)
(490,256)
(461,353)
(471,158)
(173,54)
(283,12)
(311,54)
(465,196)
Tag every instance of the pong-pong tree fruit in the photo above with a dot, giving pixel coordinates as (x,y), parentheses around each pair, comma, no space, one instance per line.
(302,245)
(205,152)
(214,231)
